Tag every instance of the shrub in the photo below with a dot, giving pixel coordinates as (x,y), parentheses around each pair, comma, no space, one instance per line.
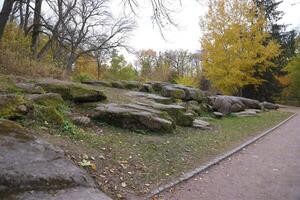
(187,81)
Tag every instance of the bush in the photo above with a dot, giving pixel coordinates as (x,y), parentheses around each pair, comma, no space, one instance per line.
(187,81)
(16,57)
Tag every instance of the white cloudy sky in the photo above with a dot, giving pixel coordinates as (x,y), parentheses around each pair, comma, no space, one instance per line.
(187,36)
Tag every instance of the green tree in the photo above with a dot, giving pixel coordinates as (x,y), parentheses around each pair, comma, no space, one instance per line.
(292,92)
(119,69)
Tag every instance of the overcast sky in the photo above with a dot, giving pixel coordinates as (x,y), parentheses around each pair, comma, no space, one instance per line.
(187,35)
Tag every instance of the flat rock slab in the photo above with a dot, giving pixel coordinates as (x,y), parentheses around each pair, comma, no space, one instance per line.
(133,117)
(148,96)
(79,93)
(28,164)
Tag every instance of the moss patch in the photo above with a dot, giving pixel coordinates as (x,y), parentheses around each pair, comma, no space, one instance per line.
(48,115)
(9,105)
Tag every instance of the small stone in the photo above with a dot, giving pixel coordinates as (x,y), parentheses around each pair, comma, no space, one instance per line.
(218,115)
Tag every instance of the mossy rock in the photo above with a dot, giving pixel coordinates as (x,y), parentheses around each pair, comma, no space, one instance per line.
(7,126)
(10,106)
(117,84)
(76,92)
(132,85)
(169,91)
(48,114)
(48,99)
(147,88)
(30,88)
(7,85)
(98,83)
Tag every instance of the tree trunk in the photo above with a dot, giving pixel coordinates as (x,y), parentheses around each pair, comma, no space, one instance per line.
(27,15)
(4,15)
(36,26)
(21,14)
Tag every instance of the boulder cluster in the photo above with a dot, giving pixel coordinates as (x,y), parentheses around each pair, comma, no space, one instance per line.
(155,106)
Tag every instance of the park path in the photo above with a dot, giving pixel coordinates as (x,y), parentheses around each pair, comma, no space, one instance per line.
(267,170)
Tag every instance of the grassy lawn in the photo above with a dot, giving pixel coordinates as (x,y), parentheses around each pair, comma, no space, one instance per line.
(134,163)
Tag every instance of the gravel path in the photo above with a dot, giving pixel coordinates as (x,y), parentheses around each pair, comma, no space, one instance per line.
(266,170)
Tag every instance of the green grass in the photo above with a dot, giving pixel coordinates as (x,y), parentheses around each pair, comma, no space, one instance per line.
(155,159)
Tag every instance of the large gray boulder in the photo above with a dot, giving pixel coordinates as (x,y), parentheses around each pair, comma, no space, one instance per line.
(79,93)
(132,118)
(229,104)
(33,169)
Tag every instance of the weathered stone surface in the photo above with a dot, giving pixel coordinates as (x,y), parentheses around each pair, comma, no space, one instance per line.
(172,92)
(132,85)
(117,84)
(200,124)
(269,106)
(79,93)
(218,115)
(176,112)
(158,86)
(30,88)
(192,106)
(48,99)
(29,165)
(131,118)
(190,93)
(147,88)
(246,113)
(229,104)
(10,105)
(154,97)
(98,83)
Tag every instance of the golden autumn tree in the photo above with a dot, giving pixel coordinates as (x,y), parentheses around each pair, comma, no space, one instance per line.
(234,45)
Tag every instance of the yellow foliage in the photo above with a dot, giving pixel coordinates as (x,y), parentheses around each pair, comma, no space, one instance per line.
(86,66)
(188,81)
(16,57)
(234,45)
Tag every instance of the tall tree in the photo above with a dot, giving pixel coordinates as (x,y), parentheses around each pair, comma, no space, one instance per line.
(234,45)
(272,87)
(4,14)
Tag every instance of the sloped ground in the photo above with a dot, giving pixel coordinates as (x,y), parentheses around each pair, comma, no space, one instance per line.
(269,169)
(128,163)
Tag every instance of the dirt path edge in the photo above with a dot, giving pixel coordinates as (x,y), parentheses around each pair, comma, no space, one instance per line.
(187,176)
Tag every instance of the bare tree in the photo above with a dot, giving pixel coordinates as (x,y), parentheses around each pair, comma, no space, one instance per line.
(90,27)
(4,14)
(36,26)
